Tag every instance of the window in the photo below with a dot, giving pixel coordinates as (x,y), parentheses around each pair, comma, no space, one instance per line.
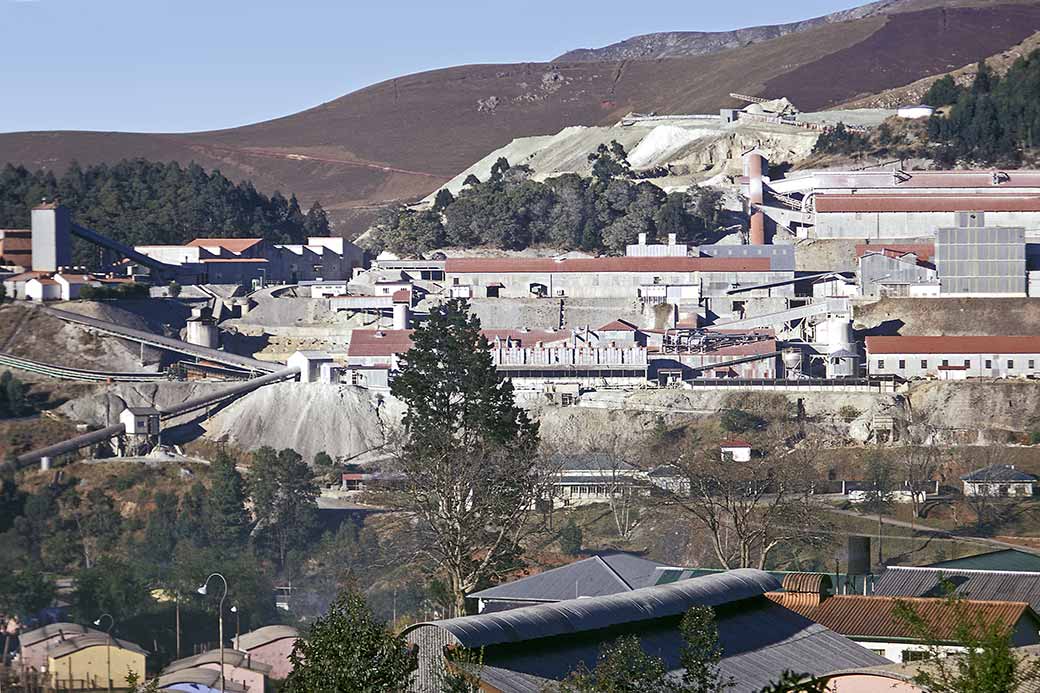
(924,363)
(1031,366)
(946,362)
(902,364)
(967,363)
(1011,364)
(881,364)
(915,655)
(989,363)
(355,378)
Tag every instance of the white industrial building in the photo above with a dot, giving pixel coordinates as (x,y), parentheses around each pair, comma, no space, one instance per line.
(954,358)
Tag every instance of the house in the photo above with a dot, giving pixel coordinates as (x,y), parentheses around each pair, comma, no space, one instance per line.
(72,284)
(271,645)
(594,478)
(37,643)
(239,667)
(736,450)
(598,576)
(197,680)
(980,585)
(998,480)
(85,662)
(874,621)
(14,285)
(42,289)
(949,357)
(529,648)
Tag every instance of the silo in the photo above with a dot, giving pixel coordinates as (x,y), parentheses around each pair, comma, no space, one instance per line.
(792,359)
(203,332)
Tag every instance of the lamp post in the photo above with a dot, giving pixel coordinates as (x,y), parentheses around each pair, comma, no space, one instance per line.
(220,621)
(108,647)
(234,610)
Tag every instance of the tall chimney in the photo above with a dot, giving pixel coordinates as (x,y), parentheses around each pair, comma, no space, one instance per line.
(754,165)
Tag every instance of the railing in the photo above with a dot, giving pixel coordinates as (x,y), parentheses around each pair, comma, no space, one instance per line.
(66,373)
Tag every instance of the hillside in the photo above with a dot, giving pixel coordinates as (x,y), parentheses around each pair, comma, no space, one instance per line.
(401,139)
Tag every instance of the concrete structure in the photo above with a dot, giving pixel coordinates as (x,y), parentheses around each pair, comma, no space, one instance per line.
(51,238)
(998,481)
(271,645)
(310,364)
(954,357)
(36,644)
(755,169)
(203,331)
(88,661)
(16,248)
(981,261)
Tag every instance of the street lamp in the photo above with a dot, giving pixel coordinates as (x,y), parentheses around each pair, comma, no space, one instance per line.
(220,621)
(108,647)
(234,610)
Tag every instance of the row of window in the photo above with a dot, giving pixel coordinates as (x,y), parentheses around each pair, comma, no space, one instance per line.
(988,363)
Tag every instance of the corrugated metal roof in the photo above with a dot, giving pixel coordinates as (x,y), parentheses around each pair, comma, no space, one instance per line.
(901,202)
(998,472)
(261,636)
(234,658)
(579,615)
(1006,559)
(980,585)
(92,639)
(64,629)
(759,641)
(591,577)
(859,616)
(606,264)
(1023,344)
(209,678)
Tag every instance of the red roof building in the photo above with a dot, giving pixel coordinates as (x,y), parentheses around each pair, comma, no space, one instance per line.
(1025,344)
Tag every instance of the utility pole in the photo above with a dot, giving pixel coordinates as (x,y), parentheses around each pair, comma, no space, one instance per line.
(108,648)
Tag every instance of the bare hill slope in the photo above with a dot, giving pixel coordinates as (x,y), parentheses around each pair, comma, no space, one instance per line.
(401,139)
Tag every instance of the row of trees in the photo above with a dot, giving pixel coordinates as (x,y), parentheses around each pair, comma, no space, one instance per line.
(510,211)
(142,202)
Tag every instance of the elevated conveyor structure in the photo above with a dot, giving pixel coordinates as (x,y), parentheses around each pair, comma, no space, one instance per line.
(71,445)
(64,373)
(176,345)
(123,250)
(831,306)
(227,393)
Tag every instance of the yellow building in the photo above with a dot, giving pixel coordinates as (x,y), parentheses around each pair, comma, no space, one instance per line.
(85,662)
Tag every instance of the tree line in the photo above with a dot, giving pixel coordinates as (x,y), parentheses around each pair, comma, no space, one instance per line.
(510,211)
(140,202)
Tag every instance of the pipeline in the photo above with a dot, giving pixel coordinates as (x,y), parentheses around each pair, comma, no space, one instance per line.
(71,445)
(233,391)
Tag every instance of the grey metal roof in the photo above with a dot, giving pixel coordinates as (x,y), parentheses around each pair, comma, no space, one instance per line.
(592,577)
(998,472)
(985,585)
(67,647)
(210,678)
(1004,559)
(600,461)
(234,658)
(143,411)
(594,613)
(759,639)
(67,630)
(263,635)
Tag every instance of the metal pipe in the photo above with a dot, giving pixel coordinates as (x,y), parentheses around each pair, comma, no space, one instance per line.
(72,444)
(233,391)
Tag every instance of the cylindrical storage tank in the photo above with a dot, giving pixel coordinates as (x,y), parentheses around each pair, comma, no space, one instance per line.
(836,333)
(792,359)
(402,316)
(203,333)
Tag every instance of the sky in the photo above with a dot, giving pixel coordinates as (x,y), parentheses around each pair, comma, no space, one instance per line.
(188,65)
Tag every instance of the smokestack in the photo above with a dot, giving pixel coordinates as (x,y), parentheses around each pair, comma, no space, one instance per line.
(402,316)
(754,168)
(642,239)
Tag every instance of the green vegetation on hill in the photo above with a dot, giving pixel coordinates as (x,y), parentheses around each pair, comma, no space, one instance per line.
(142,202)
(510,211)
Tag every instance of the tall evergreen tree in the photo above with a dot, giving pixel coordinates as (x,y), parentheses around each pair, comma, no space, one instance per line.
(226,516)
(284,495)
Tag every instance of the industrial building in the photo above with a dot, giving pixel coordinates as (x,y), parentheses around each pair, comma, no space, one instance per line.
(954,358)
(530,648)
(16,248)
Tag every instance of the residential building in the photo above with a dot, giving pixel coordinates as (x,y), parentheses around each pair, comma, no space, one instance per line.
(954,358)
(239,667)
(37,643)
(88,660)
(42,288)
(736,450)
(529,648)
(270,645)
(597,576)
(591,478)
(998,481)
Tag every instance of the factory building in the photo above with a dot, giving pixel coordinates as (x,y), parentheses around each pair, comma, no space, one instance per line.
(897,270)
(981,261)
(954,358)
(16,248)
(605,277)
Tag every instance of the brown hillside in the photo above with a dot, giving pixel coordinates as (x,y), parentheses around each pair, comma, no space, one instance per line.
(402,138)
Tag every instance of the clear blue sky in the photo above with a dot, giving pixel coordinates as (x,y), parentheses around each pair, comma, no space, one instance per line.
(183,65)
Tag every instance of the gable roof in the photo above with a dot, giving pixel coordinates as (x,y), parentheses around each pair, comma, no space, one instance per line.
(982,585)
(998,472)
(591,577)
(63,629)
(92,639)
(232,245)
(1004,559)
(923,251)
(1022,344)
(199,676)
(856,615)
(618,325)
(234,658)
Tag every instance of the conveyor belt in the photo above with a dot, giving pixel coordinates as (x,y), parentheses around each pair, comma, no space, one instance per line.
(65,373)
(71,445)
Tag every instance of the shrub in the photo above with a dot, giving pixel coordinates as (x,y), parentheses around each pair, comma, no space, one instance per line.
(849,413)
(740,421)
(571,538)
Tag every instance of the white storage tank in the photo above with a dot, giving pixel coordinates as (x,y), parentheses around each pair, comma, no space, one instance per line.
(203,332)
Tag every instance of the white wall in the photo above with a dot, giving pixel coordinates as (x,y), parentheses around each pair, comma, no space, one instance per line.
(979,365)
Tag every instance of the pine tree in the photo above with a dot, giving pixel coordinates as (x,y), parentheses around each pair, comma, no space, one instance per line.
(226,517)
